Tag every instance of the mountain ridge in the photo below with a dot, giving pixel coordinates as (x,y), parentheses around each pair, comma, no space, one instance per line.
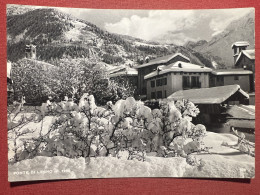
(64,35)
(239,30)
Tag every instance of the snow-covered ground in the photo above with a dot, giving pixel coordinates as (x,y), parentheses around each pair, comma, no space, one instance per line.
(222,162)
(242,111)
(75,32)
(34,132)
(138,43)
(242,116)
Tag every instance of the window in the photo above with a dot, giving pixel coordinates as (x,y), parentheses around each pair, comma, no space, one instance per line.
(165,93)
(159,94)
(153,95)
(236,78)
(220,81)
(195,82)
(186,82)
(189,82)
(159,82)
(164,81)
(152,83)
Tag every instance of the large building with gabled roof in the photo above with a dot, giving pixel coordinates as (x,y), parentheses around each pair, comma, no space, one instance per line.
(179,75)
(161,77)
(152,65)
(167,79)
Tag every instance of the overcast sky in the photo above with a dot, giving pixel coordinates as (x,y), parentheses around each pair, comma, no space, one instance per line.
(179,26)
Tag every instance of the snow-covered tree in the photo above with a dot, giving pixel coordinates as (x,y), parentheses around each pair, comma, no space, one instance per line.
(85,129)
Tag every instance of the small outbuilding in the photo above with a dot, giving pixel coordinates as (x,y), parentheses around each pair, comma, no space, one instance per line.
(212,102)
(124,74)
(215,95)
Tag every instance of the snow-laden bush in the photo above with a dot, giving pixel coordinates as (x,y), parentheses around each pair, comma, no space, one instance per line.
(243,145)
(126,127)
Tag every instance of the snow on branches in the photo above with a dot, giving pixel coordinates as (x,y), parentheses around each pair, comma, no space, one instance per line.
(128,126)
(242,145)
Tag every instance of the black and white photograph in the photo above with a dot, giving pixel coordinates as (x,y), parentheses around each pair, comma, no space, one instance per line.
(116,93)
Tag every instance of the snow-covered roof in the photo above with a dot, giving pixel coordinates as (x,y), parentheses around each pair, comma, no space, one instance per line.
(178,66)
(162,60)
(116,69)
(31,45)
(123,71)
(248,53)
(242,111)
(231,72)
(240,43)
(213,95)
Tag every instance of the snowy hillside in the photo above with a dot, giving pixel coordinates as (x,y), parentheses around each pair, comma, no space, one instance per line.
(58,35)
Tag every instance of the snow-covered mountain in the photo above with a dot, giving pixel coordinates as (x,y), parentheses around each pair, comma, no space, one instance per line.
(58,35)
(219,46)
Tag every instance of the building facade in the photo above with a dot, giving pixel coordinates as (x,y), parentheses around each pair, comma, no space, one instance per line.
(164,76)
(245,59)
(174,77)
(239,77)
(152,65)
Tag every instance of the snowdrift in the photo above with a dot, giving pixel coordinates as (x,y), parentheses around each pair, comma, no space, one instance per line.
(222,162)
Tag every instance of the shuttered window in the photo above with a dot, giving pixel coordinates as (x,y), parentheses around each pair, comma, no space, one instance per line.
(189,82)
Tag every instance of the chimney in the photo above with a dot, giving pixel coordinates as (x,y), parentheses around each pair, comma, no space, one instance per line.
(159,69)
(147,59)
